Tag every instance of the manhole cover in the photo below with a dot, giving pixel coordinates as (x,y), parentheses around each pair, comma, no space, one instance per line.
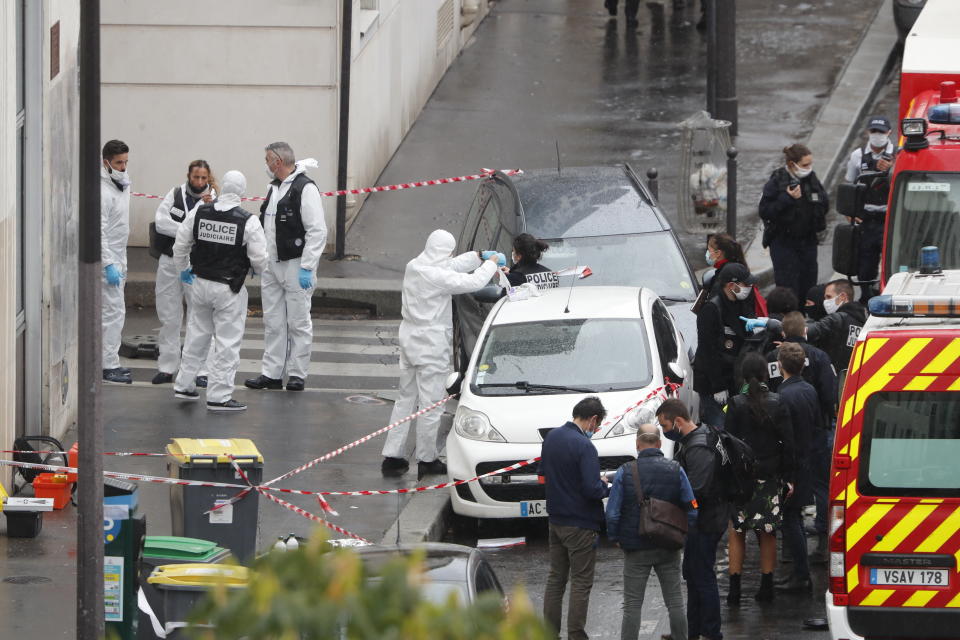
(364,400)
(26,580)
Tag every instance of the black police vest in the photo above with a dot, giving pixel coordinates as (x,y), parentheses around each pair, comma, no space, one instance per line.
(290,233)
(219,254)
(878,189)
(163,244)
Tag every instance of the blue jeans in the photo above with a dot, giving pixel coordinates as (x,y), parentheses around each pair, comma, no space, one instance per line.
(703,595)
(794,267)
(820,482)
(710,411)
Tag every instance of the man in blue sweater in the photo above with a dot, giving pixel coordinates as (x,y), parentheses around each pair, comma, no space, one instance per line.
(665,480)
(570,468)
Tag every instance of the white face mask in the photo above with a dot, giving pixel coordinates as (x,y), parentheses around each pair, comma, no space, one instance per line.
(120,177)
(802,173)
(830,305)
(270,175)
(709,258)
(878,140)
(743,292)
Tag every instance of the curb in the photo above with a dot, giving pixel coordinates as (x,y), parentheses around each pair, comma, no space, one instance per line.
(841,118)
(424,518)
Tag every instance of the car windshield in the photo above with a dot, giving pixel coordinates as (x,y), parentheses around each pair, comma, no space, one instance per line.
(911,444)
(651,260)
(593,355)
(926,212)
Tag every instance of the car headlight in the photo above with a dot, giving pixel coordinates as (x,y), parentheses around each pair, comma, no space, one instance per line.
(629,423)
(475,426)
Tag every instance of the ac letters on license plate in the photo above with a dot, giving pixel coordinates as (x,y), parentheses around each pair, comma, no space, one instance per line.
(910,577)
(533,508)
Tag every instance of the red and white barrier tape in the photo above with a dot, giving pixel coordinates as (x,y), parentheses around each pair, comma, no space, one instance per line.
(484,173)
(309,516)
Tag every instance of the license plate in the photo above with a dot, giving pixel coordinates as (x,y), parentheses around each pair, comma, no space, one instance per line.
(910,577)
(533,509)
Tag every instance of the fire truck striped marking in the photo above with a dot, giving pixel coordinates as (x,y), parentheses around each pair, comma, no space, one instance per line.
(919,383)
(946,530)
(852,494)
(902,529)
(955,602)
(955,386)
(879,380)
(920,598)
(853,578)
(947,356)
(876,597)
(865,523)
(855,446)
(869,350)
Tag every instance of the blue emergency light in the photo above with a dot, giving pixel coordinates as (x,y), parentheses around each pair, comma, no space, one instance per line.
(930,260)
(944,114)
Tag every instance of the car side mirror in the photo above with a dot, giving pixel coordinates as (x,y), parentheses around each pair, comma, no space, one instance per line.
(489,294)
(676,373)
(850,198)
(453,383)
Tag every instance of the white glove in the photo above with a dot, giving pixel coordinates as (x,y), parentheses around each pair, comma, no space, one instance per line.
(721,397)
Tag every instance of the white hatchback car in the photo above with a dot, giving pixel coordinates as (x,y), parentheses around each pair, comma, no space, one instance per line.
(535,359)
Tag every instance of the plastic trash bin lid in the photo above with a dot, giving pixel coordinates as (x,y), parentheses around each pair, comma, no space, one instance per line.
(178,548)
(202,450)
(199,576)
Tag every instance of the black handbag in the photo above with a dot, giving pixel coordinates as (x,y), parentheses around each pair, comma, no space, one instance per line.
(661,522)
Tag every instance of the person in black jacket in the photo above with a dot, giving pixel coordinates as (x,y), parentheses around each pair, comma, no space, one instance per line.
(720,338)
(793,208)
(699,458)
(526,264)
(837,332)
(570,467)
(664,480)
(800,398)
(757,417)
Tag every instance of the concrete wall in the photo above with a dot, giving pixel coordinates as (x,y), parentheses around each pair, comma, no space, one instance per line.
(8,147)
(60,221)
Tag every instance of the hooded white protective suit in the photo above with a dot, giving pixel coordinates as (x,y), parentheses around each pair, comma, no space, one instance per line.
(426,333)
(213,310)
(114,231)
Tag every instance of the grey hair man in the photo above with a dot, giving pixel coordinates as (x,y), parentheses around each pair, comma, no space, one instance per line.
(665,480)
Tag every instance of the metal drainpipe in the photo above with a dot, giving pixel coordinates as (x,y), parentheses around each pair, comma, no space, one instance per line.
(346,56)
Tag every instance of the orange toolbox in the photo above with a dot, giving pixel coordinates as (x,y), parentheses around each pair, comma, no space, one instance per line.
(53,485)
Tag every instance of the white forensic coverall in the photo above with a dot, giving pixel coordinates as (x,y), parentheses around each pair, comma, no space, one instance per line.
(426,334)
(287,327)
(170,291)
(114,231)
(214,310)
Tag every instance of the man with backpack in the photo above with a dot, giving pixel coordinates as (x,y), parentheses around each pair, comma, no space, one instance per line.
(699,457)
(801,401)
(657,479)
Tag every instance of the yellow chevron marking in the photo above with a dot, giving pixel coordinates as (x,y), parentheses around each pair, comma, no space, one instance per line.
(896,363)
(946,530)
(944,359)
(905,527)
(853,578)
(876,597)
(852,493)
(919,383)
(847,411)
(855,446)
(920,598)
(955,386)
(869,349)
(866,522)
(955,602)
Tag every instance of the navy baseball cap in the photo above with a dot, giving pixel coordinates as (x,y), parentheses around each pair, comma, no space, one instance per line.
(878,123)
(735,272)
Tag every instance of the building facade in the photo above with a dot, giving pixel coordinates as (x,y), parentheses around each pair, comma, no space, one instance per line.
(187,79)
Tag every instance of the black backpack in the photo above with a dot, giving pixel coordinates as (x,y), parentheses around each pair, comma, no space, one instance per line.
(738,467)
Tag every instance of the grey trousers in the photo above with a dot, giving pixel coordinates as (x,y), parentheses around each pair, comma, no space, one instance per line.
(636,571)
(573,555)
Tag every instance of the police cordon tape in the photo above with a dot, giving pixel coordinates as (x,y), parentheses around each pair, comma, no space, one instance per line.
(264,489)
(484,173)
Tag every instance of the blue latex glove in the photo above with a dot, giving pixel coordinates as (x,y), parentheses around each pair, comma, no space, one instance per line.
(501,260)
(486,254)
(187,277)
(306,278)
(755,323)
(112,274)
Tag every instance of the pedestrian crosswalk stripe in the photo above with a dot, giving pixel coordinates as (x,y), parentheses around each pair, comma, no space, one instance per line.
(337,347)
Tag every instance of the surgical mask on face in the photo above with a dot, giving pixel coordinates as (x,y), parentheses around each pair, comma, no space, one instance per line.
(800,172)
(830,305)
(270,175)
(742,293)
(710,260)
(120,177)
(198,192)
(673,434)
(878,140)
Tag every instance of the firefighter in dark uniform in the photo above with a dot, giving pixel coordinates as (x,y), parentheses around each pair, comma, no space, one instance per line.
(199,187)
(870,165)
(216,245)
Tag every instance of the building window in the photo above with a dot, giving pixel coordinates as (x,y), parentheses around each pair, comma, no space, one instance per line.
(366,21)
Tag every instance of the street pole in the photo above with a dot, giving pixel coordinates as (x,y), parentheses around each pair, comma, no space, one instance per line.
(732,191)
(725,67)
(346,55)
(653,183)
(90,611)
(711,7)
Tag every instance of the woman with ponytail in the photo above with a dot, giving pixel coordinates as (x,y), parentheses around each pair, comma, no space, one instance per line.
(758,417)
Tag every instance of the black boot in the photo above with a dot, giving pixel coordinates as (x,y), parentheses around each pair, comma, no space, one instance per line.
(733,595)
(766,588)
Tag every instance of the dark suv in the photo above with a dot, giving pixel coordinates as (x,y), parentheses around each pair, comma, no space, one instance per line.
(601,217)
